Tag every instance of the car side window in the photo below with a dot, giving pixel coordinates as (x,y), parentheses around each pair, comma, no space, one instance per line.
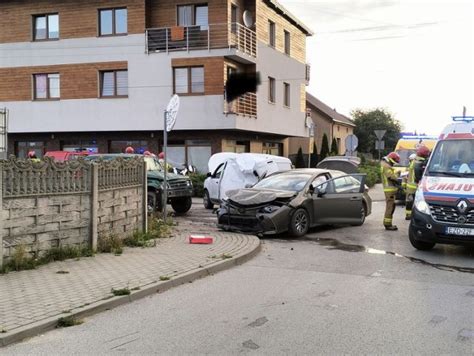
(345,184)
(218,172)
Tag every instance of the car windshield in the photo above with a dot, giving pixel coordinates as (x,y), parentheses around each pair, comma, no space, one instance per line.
(152,164)
(291,181)
(453,158)
(404,154)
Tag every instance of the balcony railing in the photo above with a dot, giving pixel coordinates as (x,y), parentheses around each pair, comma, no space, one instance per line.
(212,36)
(245,105)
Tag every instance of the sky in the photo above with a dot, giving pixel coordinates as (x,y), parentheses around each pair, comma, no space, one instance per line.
(415,58)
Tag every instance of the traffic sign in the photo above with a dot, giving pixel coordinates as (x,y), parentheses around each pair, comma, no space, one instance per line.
(351,142)
(172,112)
(379,133)
(379,144)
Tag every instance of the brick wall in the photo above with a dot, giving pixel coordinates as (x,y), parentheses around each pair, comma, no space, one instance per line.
(297,37)
(77,81)
(76,18)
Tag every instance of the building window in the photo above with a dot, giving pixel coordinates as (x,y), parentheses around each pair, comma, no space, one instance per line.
(234,15)
(193,15)
(271,33)
(272,148)
(188,80)
(114,83)
(113,22)
(271,89)
(286,93)
(139,146)
(190,152)
(23,147)
(46,86)
(347,129)
(287,42)
(46,27)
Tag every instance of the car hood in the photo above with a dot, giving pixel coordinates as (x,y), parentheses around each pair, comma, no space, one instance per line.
(169,176)
(251,196)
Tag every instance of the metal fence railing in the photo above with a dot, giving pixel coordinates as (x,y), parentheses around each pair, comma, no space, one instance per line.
(212,36)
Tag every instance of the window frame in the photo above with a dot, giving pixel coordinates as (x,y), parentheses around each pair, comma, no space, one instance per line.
(271,90)
(287,42)
(101,83)
(193,7)
(271,34)
(46,16)
(286,95)
(48,89)
(99,23)
(190,80)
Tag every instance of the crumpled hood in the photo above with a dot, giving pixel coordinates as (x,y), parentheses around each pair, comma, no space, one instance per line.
(257,196)
(169,176)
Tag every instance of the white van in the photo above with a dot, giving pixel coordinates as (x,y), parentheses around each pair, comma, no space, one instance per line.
(229,171)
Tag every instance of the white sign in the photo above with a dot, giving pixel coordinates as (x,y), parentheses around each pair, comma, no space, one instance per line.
(172,112)
(379,134)
(351,142)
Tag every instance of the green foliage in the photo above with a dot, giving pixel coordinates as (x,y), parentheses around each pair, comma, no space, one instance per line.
(164,278)
(120,292)
(109,243)
(324,148)
(22,260)
(372,169)
(314,156)
(157,228)
(299,163)
(198,183)
(334,148)
(378,119)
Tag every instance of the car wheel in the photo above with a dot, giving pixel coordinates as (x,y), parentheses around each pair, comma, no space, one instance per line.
(207,200)
(181,205)
(419,245)
(299,223)
(363,214)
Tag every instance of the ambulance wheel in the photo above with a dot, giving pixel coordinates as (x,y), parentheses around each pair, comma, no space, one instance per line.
(419,245)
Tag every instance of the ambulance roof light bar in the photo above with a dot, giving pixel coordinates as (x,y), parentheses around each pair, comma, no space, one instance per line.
(467,119)
(419,137)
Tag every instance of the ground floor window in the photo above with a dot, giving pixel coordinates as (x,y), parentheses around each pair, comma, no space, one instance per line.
(235,146)
(80,146)
(189,152)
(272,148)
(23,147)
(120,146)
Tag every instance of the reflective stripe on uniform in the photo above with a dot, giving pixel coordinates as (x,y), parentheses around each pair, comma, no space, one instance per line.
(387,221)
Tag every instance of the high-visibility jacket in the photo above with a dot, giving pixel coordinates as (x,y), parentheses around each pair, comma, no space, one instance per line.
(389,178)
(411,183)
(419,164)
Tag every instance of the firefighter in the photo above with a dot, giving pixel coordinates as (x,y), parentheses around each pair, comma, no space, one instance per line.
(410,186)
(390,187)
(422,155)
(32,156)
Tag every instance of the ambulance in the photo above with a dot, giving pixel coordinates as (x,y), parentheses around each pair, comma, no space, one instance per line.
(443,210)
(406,146)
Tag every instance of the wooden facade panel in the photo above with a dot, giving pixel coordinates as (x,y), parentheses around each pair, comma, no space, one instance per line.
(76,18)
(77,81)
(297,37)
(213,72)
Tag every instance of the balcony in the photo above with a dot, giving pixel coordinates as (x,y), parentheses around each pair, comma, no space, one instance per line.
(213,36)
(245,105)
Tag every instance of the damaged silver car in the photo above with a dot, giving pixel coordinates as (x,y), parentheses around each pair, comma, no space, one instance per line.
(295,200)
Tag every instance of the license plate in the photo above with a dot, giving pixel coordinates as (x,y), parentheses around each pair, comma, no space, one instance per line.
(460,231)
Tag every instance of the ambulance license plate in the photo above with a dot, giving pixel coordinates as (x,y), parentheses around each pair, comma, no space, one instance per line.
(460,231)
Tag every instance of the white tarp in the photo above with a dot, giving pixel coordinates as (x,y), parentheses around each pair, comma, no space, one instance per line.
(246,169)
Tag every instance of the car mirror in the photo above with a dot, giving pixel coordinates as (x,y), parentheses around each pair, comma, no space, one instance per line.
(208,174)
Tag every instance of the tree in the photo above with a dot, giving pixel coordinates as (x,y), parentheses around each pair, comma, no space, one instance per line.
(299,163)
(334,148)
(324,148)
(314,156)
(377,119)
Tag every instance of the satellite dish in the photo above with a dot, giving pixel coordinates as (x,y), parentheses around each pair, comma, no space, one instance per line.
(247,17)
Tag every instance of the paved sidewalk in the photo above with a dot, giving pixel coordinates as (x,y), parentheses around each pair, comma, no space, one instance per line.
(33,301)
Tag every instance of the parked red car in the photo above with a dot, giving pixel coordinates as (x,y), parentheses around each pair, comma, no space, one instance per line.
(62,156)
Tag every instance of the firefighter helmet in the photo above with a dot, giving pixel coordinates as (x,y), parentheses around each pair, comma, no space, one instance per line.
(147,153)
(31,154)
(393,157)
(423,151)
(161,155)
(129,149)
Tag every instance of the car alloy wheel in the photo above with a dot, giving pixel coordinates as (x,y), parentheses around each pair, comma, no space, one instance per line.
(299,223)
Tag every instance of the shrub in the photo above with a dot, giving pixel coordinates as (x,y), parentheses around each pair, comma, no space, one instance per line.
(299,163)
(198,183)
(373,173)
(110,243)
(157,228)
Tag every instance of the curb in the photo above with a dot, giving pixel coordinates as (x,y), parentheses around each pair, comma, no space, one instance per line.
(150,289)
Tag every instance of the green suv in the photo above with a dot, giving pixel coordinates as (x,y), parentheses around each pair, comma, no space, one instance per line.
(180,188)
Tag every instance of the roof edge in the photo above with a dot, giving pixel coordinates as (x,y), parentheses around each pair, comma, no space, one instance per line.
(289,16)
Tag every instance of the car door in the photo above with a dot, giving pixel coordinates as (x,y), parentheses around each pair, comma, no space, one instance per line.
(339,200)
(213,187)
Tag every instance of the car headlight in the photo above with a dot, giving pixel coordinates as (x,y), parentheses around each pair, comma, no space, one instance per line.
(269,209)
(420,204)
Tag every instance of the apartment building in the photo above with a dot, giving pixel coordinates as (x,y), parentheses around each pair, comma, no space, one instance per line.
(97,75)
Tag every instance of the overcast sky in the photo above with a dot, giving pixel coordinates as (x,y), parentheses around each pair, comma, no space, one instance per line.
(412,57)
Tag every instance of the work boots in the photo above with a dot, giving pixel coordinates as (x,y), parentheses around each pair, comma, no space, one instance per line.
(391,227)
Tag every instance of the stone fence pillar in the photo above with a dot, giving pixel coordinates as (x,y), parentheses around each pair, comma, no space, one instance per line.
(94,172)
(1,216)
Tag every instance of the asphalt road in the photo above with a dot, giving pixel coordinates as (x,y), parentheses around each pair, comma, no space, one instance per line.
(337,290)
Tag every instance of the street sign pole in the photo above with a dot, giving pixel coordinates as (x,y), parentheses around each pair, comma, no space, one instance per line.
(164,198)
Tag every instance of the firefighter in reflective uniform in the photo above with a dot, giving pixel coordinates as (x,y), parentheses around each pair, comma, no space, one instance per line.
(415,173)
(410,186)
(390,187)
